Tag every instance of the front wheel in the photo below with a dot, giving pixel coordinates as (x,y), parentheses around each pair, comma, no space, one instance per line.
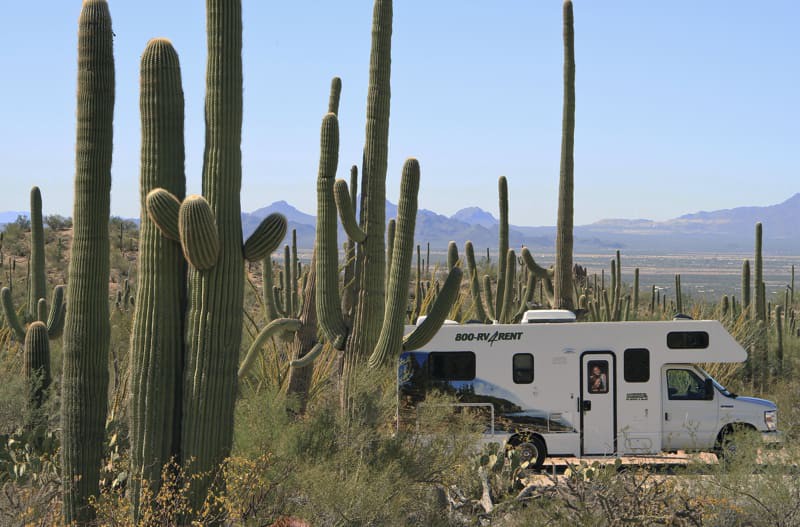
(738,443)
(533,452)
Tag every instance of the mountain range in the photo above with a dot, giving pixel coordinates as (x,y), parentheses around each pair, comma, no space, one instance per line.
(722,231)
(719,231)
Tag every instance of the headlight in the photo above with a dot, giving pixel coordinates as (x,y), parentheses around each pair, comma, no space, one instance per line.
(771,420)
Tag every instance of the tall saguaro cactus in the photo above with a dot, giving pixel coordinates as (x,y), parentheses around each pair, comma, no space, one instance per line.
(157,332)
(84,386)
(370,334)
(208,229)
(563,269)
(760,305)
(37,275)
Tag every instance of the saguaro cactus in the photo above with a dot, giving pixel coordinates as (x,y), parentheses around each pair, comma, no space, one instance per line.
(87,328)
(369,325)
(209,230)
(562,278)
(157,332)
(760,305)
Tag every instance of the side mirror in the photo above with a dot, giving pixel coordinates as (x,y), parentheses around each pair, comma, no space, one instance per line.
(709,390)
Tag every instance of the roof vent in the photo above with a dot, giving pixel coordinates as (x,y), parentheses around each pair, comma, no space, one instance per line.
(547,316)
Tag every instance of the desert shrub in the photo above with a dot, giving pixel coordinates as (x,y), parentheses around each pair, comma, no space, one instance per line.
(335,470)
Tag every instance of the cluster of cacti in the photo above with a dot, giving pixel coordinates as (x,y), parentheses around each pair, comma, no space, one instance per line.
(206,332)
(513,292)
(36,308)
(84,387)
(379,307)
(562,278)
(619,305)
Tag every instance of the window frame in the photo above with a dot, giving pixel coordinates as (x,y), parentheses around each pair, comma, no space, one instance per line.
(625,370)
(451,354)
(514,368)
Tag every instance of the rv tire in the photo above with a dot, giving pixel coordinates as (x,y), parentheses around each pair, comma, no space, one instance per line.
(532,451)
(737,441)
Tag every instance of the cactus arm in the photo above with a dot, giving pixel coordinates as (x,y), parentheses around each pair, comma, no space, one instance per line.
(391,336)
(452,255)
(278,301)
(346,212)
(349,289)
(36,350)
(474,284)
(266,238)
(55,320)
(11,314)
(527,296)
(502,192)
(508,294)
(270,308)
(163,209)
(423,333)
(487,291)
(329,312)
(336,92)
(308,358)
(41,310)
(545,275)
(199,233)
(391,227)
(38,282)
(277,326)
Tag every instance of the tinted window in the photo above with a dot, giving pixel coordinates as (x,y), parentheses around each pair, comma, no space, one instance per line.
(597,373)
(457,366)
(685,385)
(637,365)
(687,340)
(523,368)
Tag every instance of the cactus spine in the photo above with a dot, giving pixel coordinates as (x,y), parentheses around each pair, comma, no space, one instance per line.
(563,269)
(87,328)
(157,331)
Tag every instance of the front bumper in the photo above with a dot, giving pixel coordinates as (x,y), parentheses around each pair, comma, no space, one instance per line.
(772,438)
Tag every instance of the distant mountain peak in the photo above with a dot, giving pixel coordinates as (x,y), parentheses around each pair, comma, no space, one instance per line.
(475,216)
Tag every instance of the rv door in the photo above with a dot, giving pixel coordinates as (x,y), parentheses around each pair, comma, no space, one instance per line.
(597,404)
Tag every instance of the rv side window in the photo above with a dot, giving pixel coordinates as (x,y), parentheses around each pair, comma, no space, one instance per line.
(681,340)
(522,366)
(637,365)
(457,366)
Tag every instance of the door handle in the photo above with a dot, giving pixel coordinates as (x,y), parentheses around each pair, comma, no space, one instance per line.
(666,416)
(586,406)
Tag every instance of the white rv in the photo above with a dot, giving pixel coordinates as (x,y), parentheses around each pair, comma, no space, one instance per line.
(554,387)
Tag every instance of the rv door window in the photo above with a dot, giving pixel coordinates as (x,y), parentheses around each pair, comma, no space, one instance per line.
(637,365)
(685,385)
(598,376)
(522,366)
(456,366)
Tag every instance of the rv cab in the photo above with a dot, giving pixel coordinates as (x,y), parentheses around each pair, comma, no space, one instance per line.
(554,387)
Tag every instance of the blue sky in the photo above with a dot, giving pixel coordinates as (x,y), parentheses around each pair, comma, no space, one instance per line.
(682,105)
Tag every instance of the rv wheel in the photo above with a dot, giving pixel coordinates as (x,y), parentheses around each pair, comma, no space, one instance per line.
(533,452)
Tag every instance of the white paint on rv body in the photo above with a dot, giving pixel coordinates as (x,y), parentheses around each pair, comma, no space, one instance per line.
(557,349)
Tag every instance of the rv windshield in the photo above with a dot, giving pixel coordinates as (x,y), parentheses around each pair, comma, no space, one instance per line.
(724,391)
